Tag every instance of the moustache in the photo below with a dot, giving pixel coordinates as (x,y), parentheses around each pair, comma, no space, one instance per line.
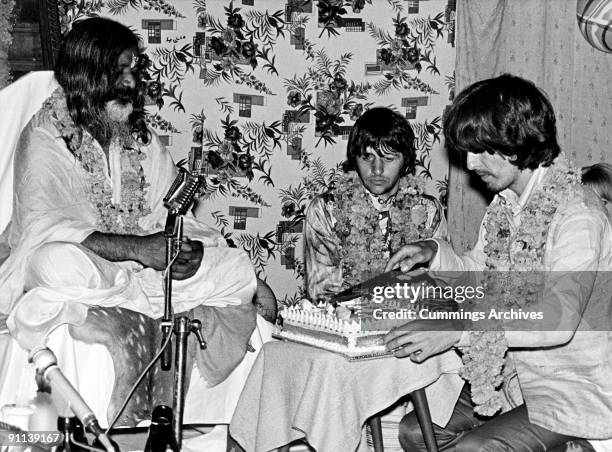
(123,94)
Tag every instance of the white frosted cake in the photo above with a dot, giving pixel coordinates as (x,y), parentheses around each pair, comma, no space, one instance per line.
(323,329)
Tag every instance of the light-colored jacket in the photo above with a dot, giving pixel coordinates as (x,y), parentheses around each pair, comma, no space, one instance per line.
(565,376)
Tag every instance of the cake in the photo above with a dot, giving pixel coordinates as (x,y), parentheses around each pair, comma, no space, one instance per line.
(324,327)
(351,328)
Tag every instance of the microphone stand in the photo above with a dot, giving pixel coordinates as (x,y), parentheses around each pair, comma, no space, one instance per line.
(46,365)
(181,327)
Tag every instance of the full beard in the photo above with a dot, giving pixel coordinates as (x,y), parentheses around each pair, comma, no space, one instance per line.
(118,111)
(116,121)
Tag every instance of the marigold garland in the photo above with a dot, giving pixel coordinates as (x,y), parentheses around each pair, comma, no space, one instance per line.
(361,249)
(120,218)
(521,251)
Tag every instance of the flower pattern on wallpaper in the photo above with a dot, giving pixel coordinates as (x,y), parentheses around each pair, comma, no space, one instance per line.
(260,247)
(318,179)
(161,6)
(241,40)
(334,95)
(332,14)
(72,10)
(240,152)
(172,65)
(408,49)
(268,91)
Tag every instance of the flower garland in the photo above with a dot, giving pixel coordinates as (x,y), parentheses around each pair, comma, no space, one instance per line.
(361,249)
(521,251)
(6,39)
(122,218)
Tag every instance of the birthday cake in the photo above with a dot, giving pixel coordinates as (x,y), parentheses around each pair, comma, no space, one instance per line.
(335,329)
(356,327)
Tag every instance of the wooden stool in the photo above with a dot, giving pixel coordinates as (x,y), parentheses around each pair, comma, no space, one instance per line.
(419,400)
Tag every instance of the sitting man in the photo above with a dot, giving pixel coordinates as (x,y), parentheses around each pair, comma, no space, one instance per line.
(377,206)
(542,221)
(88,216)
(599,178)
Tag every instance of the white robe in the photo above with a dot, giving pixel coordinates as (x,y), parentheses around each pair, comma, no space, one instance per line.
(49,279)
(52,216)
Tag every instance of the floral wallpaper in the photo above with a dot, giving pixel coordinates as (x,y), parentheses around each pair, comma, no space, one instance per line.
(268,90)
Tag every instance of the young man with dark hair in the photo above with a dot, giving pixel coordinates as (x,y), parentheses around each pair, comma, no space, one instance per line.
(381,127)
(599,178)
(376,206)
(541,221)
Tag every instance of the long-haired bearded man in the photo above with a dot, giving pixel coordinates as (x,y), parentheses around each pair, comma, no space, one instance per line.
(86,227)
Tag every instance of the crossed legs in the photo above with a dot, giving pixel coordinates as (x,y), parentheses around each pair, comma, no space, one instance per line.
(510,431)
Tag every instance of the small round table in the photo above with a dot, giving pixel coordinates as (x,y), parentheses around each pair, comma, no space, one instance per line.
(296,392)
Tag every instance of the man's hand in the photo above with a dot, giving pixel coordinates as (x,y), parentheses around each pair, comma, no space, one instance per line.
(151,252)
(410,255)
(188,260)
(421,339)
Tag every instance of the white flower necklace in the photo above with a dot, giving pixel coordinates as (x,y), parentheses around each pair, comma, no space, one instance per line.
(363,250)
(122,218)
(522,251)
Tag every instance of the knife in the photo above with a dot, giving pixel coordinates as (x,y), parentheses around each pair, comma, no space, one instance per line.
(389,278)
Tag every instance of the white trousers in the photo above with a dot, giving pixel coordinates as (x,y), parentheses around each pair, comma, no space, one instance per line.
(64,278)
(89,367)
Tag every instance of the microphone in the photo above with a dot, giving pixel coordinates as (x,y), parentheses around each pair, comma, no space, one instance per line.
(184,196)
(178,200)
(176,184)
(182,192)
(46,364)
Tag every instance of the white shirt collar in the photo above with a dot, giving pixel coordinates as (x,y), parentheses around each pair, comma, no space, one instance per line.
(518,203)
(377,205)
(380,206)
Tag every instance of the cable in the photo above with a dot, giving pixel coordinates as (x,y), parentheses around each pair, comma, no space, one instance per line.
(140,378)
(165,273)
(155,358)
(83,445)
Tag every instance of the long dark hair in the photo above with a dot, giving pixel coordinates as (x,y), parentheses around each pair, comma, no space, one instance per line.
(87,70)
(508,115)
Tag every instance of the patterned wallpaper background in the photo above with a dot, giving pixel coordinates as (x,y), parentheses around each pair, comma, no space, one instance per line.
(269,89)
